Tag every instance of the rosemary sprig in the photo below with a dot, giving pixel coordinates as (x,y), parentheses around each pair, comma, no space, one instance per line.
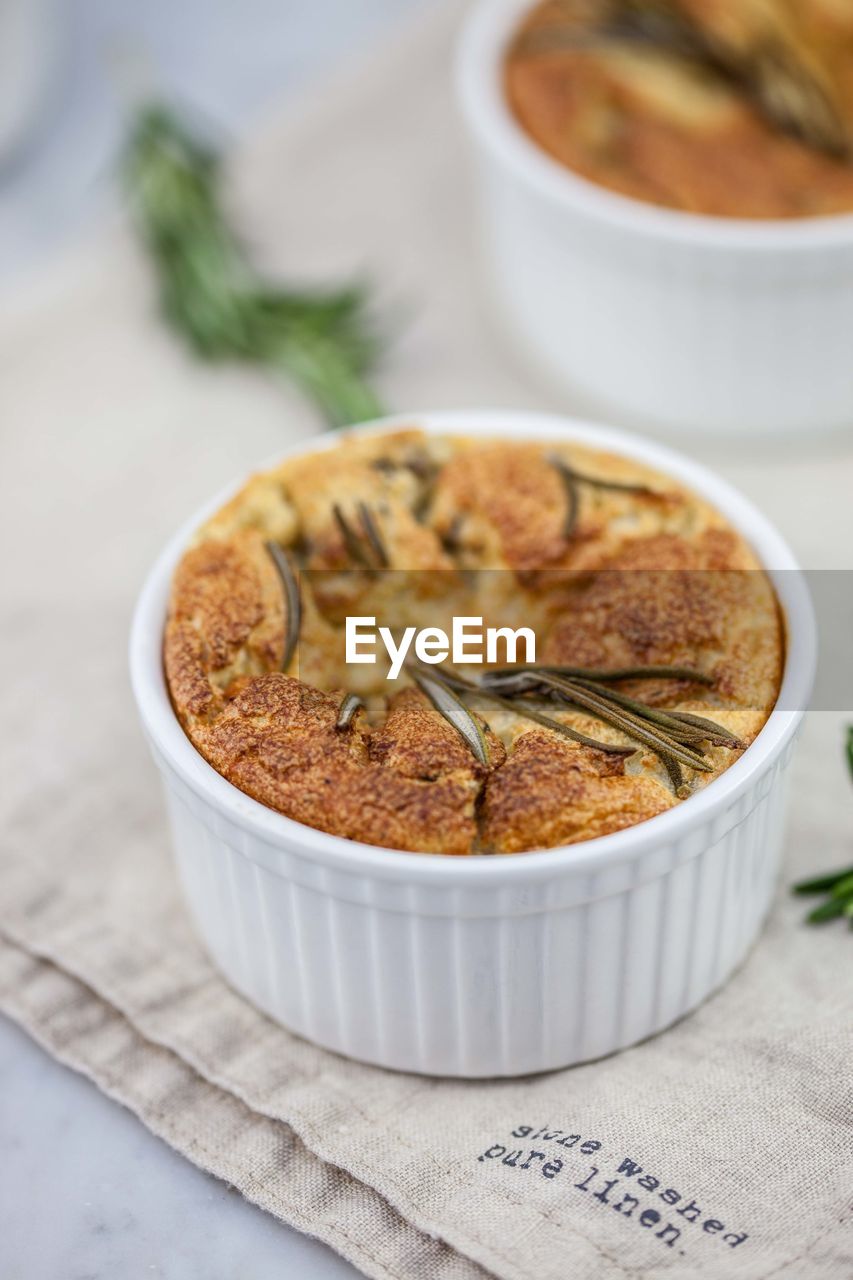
(600,482)
(573,478)
(350,703)
(352,542)
(214,299)
(675,740)
(675,737)
(671,754)
(829,910)
(714,733)
(292,601)
(603,705)
(371,532)
(823,883)
(548,722)
(843,888)
(451,538)
(451,706)
(573,498)
(364,546)
(528,713)
(604,674)
(682,727)
(837,884)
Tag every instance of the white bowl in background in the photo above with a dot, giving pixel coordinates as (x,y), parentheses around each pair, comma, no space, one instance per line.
(670,318)
(484,965)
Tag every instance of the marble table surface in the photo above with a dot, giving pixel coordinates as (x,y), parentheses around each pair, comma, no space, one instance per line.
(85,1190)
(87,1193)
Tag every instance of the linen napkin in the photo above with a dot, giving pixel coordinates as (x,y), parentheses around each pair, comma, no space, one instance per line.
(723,1147)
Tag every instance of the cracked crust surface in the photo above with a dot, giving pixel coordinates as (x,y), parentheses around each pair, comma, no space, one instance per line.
(409,786)
(643,579)
(653,126)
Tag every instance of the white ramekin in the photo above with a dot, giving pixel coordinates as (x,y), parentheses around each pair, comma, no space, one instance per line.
(673,319)
(483,966)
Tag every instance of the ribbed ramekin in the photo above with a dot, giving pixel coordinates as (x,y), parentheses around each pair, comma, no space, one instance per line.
(671,318)
(484,966)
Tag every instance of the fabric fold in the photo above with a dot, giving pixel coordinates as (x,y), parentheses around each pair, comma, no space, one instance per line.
(262,1158)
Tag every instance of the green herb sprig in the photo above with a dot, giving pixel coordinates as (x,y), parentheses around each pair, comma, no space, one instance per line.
(572,479)
(364,545)
(516,707)
(215,300)
(675,740)
(292,601)
(836,885)
(350,703)
(449,705)
(675,737)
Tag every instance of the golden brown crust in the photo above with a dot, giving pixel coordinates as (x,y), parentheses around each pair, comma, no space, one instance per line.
(226,619)
(507,505)
(417,742)
(645,577)
(277,741)
(664,601)
(651,126)
(552,792)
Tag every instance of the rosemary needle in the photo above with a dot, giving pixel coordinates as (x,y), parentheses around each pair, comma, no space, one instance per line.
(616,486)
(454,711)
(350,703)
(572,496)
(548,722)
(352,542)
(637,673)
(527,713)
(292,601)
(631,725)
(572,479)
(838,885)
(829,910)
(684,727)
(716,733)
(822,884)
(367,547)
(674,737)
(374,537)
(843,888)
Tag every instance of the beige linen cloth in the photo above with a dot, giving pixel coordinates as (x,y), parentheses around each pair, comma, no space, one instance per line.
(110,436)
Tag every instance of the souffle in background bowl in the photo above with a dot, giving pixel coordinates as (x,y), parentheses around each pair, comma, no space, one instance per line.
(669,318)
(484,965)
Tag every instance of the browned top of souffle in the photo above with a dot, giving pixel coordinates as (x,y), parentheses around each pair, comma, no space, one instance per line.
(645,575)
(652,123)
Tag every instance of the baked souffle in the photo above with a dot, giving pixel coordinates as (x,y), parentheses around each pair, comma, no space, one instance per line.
(659,642)
(736,110)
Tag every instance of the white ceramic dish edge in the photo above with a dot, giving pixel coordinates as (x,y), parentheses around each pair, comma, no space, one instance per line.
(483,966)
